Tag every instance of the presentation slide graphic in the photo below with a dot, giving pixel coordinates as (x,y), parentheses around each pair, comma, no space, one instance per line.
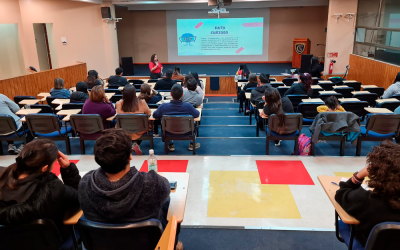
(224,36)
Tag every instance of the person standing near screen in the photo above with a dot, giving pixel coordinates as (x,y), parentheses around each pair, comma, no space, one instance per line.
(155,67)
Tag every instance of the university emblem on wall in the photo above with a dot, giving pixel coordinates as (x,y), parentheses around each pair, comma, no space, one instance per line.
(300,47)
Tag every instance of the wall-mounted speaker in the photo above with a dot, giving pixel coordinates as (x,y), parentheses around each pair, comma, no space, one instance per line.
(105,12)
(305,63)
(127,65)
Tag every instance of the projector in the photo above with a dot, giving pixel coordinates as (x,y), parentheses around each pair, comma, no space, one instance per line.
(218,12)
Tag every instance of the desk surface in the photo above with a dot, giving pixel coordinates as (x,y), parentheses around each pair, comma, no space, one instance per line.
(312,100)
(152,119)
(330,189)
(28,111)
(349,100)
(368,86)
(176,207)
(248,95)
(60,101)
(328,92)
(378,110)
(316,87)
(68,113)
(109,95)
(387,100)
(43,94)
(29,101)
(360,92)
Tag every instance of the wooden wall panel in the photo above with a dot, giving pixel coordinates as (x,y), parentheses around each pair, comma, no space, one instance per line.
(372,72)
(36,83)
(227,86)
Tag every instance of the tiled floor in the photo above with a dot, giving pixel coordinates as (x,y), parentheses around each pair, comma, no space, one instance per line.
(228,190)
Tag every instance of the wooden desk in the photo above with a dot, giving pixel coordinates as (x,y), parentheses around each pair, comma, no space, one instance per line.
(328,92)
(176,207)
(387,100)
(312,100)
(330,189)
(61,102)
(360,92)
(248,95)
(368,86)
(68,113)
(349,81)
(378,110)
(28,111)
(340,86)
(316,87)
(44,95)
(29,101)
(109,95)
(325,81)
(349,100)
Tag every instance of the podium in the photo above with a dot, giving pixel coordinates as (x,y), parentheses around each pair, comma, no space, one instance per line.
(300,46)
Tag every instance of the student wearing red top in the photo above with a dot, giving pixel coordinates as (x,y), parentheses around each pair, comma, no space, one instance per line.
(155,67)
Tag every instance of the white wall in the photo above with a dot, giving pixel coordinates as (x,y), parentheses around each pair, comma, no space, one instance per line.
(11,60)
(52,46)
(41,47)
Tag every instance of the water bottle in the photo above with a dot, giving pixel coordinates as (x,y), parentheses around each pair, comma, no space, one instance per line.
(152,161)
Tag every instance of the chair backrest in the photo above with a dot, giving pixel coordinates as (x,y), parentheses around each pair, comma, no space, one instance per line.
(296,99)
(242,80)
(136,81)
(327,85)
(390,105)
(379,91)
(46,109)
(323,96)
(137,86)
(315,93)
(272,80)
(249,90)
(112,87)
(133,123)
(282,90)
(50,99)
(357,108)
(309,109)
(177,124)
(277,84)
(294,122)
(152,80)
(153,105)
(19,98)
(86,124)
(355,85)
(383,123)
(39,234)
(43,123)
(316,80)
(289,81)
(345,91)
(397,96)
(115,98)
(100,236)
(385,235)
(368,97)
(116,91)
(72,106)
(7,125)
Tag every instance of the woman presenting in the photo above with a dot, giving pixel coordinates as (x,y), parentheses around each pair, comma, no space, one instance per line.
(155,68)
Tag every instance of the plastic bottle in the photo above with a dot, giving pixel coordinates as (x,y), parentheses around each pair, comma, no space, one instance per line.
(152,161)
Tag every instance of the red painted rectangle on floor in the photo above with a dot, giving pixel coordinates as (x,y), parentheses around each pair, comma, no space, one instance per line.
(175,166)
(283,172)
(56,167)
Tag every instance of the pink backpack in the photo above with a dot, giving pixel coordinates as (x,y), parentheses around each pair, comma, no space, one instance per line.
(304,145)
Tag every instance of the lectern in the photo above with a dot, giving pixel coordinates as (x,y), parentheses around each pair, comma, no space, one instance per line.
(300,46)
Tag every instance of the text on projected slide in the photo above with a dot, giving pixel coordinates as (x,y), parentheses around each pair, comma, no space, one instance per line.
(225,36)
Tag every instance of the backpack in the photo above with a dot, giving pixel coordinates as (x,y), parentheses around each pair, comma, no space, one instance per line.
(304,145)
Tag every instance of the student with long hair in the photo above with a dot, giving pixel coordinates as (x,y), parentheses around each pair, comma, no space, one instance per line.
(393,89)
(316,69)
(131,104)
(196,77)
(382,202)
(148,94)
(59,91)
(176,75)
(93,79)
(81,94)
(30,191)
(156,67)
(303,87)
(253,82)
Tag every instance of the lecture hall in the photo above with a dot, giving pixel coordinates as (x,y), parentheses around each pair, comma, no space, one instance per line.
(199,125)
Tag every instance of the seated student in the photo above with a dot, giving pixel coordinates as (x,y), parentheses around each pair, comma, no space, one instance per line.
(199,82)
(380,204)
(198,88)
(274,104)
(130,104)
(81,94)
(58,90)
(118,79)
(166,83)
(98,103)
(93,79)
(118,193)
(190,95)
(149,95)
(29,191)
(331,105)
(176,75)
(258,93)
(393,89)
(253,82)
(177,107)
(303,87)
(316,69)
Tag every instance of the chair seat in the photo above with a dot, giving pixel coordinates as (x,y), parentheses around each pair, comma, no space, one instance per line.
(377,135)
(285,135)
(307,120)
(55,133)
(20,133)
(344,231)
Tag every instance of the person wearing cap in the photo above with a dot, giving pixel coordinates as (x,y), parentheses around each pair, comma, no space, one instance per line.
(258,92)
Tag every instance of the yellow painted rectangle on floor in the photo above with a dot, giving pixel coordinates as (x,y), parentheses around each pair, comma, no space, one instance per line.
(239,194)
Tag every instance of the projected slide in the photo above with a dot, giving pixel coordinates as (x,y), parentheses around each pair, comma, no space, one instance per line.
(224,36)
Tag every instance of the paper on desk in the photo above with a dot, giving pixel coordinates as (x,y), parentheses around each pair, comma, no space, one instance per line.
(362,185)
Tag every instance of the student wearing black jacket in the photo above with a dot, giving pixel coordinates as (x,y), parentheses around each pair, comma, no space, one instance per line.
(303,87)
(29,191)
(382,203)
(258,93)
(118,79)
(81,93)
(166,83)
(253,82)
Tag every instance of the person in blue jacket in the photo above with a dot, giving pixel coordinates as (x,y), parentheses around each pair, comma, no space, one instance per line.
(59,91)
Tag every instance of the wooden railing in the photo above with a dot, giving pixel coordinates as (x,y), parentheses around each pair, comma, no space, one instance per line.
(43,81)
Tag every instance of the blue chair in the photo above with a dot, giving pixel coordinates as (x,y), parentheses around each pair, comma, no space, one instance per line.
(357,107)
(327,85)
(136,81)
(152,80)
(115,98)
(277,84)
(50,99)
(178,127)
(115,91)
(368,97)
(389,105)
(86,125)
(19,98)
(355,85)
(324,96)
(379,127)
(296,99)
(39,234)
(379,90)
(309,111)
(46,109)
(282,90)
(289,81)
(47,126)
(345,91)
(135,123)
(9,131)
(101,236)
(294,124)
